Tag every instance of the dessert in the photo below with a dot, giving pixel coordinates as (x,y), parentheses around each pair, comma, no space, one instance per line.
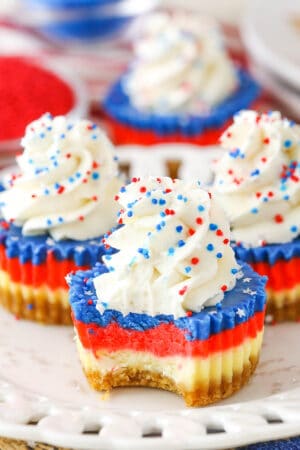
(172,309)
(258,184)
(181,87)
(55,210)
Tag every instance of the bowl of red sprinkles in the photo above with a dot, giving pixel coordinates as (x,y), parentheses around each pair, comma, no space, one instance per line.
(27,90)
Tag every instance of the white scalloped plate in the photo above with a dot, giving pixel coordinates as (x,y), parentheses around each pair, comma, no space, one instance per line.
(44,395)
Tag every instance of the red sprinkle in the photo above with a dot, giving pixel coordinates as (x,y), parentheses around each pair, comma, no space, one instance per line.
(199,220)
(191,231)
(183,290)
(189,313)
(116,198)
(90,302)
(226,241)
(219,233)
(60,190)
(195,261)
(224,288)
(278,218)
(266,140)
(143,189)
(81,218)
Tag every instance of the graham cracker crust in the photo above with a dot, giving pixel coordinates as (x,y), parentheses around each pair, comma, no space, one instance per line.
(283,306)
(198,397)
(288,313)
(39,305)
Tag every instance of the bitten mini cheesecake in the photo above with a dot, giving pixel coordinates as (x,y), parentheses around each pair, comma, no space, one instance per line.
(258,183)
(56,208)
(172,309)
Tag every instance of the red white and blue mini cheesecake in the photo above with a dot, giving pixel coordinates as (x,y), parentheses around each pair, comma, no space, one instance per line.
(258,183)
(56,209)
(182,85)
(172,309)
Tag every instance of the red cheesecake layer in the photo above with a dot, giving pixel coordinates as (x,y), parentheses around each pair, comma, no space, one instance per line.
(282,275)
(165,339)
(51,272)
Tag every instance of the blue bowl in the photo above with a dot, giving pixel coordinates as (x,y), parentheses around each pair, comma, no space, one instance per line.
(84,20)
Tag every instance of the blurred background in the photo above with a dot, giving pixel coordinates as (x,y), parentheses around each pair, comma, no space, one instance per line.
(89,43)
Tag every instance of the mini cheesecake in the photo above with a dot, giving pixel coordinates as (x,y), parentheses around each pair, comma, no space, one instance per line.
(173,309)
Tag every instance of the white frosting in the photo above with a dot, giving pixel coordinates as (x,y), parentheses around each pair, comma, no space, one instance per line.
(181,66)
(258,180)
(174,254)
(67,181)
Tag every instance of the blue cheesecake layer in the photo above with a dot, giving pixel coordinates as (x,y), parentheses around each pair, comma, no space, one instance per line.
(238,306)
(117,104)
(268,253)
(35,248)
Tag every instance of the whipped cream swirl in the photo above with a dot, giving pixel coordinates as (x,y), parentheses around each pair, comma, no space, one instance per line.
(174,251)
(67,181)
(181,66)
(258,179)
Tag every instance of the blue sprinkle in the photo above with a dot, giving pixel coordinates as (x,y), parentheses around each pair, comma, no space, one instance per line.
(254,211)
(77,174)
(148,194)
(130,214)
(49,222)
(56,185)
(60,219)
(181,243)
(95,175)
(62,136)
(294,229)
(201,208)
(30,161)
(154,201)
(144,252)
(162,214)
(179,197)
(213,226)
(219,255)
(286,197)
(162,201)
(179,228)
(234,271)
(123,189)
(46,192)
(71,179)
(158,227)
(116,158)
(265,199)
(187,269)
(171,251)
(283,187)
(42,135)
(210,247)
(287,143)
(69,127)
(163,223)
(30,306)
(255,172)
(94,137)
(185,199)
